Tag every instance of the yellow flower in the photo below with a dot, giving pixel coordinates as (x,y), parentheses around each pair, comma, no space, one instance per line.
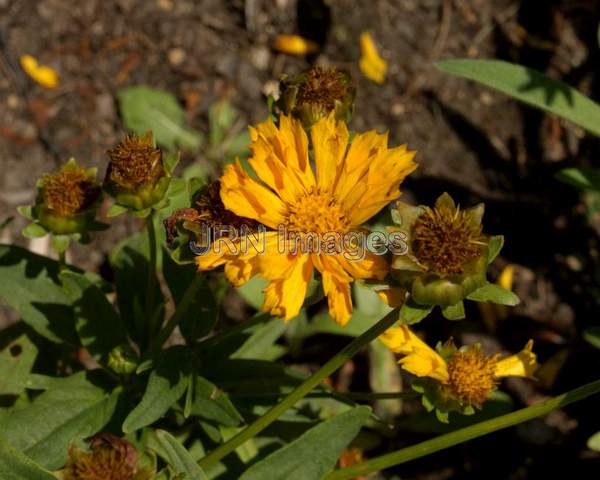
(45,76)
(371,64)
(294,45)
(308,209)
(466,374)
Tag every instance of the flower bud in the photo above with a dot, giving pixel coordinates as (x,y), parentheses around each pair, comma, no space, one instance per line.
(316,93)
(67,200)
(136,176)
(447,254)
(123,359)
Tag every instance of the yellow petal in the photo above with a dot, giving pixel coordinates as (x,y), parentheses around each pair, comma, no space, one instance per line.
(45,76)
(394,296)
(329,139)
(419,359)
(284,297)
(371,64)
(523,364)
(246,197)
(294,45)
(338,298)
(280,157)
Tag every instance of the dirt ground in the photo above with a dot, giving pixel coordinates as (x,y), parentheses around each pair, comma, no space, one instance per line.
(476,144)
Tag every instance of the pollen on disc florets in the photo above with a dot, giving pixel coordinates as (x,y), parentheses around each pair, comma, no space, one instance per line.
(135,162)
(471,376)
(69,191)
(445,239)
(109,458)
(317,212)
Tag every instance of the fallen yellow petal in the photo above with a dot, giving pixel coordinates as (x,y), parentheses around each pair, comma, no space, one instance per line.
(47,77)
(294,45)
(371,64)
(505,280)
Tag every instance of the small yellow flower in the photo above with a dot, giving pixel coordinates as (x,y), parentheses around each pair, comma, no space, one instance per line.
(467,374)
(294,45)
(45,76)
(371,64)
(348,186)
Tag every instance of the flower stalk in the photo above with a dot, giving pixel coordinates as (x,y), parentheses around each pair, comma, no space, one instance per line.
(301,391)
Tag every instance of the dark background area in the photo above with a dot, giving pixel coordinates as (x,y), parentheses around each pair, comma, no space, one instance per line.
(472,142)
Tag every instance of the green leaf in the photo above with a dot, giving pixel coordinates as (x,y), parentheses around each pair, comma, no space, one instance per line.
(44,429)
(247,451)
(15,465)
(411,312)
(171,161)
(495,294)
(115,210)
(454,312)
(495,247)
(261,340)
(16,361)
(198,315)
(221,116)
(314,453)
(34,230)
(131,265)
(252,292)
(583,178)
(166,385)
(29,285)
(213,404)
(100,328)
(145,108)
(592,336)
(176,455)
(530,86)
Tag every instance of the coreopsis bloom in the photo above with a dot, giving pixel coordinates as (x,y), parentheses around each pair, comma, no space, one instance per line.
(459,379)
(67,200)
(371,64)
(316,93)
(310,208)
(46,76)
(447,255)
(109,458)
(136,176)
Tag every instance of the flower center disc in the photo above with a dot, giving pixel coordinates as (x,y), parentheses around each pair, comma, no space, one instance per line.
(444,240)
(317,212)
(471,376)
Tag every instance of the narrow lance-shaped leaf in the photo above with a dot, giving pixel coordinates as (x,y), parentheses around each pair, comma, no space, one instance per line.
(178,458)
(314,453)
(530,86)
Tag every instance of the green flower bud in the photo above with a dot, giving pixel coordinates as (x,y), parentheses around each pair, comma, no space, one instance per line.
(316,93)
(67,200)
(123,359)
(447,254)
(137,176)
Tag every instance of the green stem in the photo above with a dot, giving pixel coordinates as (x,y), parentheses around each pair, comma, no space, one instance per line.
(354,396)
(464,434)
(151,283)
(62,260)
(182,307)
(302,390)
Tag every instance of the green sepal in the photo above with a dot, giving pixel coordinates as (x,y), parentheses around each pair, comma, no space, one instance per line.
(494,247)
(454,312)
(490,292)
(115,210)
(60,243)
(411,312)
(26,211)
(34,230)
